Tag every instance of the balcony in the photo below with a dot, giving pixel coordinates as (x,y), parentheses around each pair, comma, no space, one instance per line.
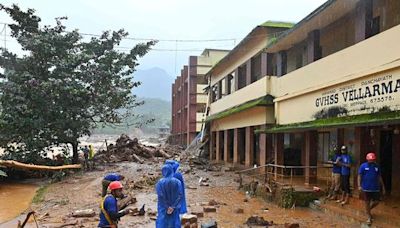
(375,54)
(251,92)
(350,68)
(200,88)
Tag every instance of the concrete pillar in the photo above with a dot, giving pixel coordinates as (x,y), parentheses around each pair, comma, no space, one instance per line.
(236,157)
(218,146)
(248,72)
(359,151)
(249,152)
(281,62)
(266,64)
(278,151)
(236,79)
(212,145)
(363,20)
(311,154)
(227,146)
(395,164)
(313,46)
(263,150)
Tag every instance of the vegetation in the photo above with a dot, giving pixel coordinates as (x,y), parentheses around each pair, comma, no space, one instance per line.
(63,86)
(39,196)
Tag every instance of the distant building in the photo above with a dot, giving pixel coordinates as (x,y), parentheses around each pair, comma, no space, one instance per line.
(189,98)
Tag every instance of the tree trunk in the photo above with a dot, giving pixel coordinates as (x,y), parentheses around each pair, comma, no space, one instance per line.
(75,155)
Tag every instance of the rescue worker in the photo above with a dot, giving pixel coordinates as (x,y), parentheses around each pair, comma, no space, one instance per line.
(91,156)
(370,182)
(336,171)
(108,178)
(169,194)
(178,175)
(85,151)
(109,214)
(345,163)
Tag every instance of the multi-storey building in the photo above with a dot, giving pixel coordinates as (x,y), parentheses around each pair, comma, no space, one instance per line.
(189,98)
(332,79)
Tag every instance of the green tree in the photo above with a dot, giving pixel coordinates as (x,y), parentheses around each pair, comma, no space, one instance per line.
(63,85)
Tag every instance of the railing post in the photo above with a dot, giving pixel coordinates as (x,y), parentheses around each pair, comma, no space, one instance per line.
(291,176)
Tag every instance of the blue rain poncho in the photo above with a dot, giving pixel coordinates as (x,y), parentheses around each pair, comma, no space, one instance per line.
(169,192)
(178,175)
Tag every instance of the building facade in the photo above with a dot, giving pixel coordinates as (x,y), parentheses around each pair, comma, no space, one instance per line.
(334,79)
(189,98)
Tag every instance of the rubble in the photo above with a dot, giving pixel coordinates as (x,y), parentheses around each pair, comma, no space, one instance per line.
(239,211)
(255,220)
(188,218)
(83,213)
(127,149)
(210,224)
(209,209)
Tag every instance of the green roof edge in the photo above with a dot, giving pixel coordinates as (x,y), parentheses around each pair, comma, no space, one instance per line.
(262,101)
(369,118)
(278,24)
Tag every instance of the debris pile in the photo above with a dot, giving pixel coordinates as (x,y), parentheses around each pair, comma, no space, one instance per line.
(127,149)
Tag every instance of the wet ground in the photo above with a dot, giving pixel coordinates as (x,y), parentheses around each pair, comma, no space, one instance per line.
(15,198)
(82,191)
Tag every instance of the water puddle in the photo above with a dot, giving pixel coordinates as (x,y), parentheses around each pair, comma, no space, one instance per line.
(15,198)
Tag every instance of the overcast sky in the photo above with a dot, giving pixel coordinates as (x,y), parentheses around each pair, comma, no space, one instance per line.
(168,20)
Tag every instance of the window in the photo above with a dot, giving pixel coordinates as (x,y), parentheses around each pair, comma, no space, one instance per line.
(219,89)
(231,84)
(214,93)
(323,146)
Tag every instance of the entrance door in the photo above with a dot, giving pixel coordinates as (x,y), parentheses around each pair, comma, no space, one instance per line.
(386,146)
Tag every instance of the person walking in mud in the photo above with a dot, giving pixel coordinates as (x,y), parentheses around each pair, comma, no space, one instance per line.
(345,162)
(169,197)
(85,151)
(109,214)
(370,183)
(336,172)
(108,178)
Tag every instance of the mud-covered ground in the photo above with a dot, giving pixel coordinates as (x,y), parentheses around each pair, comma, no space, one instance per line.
(82,191)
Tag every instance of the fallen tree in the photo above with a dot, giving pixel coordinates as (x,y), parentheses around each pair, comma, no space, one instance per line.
(20,165)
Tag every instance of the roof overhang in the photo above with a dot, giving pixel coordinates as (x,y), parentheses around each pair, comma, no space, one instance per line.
(377,118)
(262,101)
(319,18)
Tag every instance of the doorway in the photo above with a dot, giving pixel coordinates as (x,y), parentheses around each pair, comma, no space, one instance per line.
(386,150)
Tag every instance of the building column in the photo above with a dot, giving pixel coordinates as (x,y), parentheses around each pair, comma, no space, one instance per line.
(395,163)
(249,152)
(311,154)
(227,146)
(278,151)
(218,146)
(281,62)
(236,156)
(266,64)
(313,46)
(359,151)
(248,72)
(263,151)
(363,20)
(236,79)
(212,143)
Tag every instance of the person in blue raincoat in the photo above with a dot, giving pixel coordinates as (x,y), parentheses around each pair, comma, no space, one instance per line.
(178,175)
(169,195)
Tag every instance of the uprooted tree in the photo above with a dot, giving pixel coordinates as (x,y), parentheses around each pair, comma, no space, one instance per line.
(63,86)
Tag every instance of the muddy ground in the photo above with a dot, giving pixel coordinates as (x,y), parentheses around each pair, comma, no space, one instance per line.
(82,191)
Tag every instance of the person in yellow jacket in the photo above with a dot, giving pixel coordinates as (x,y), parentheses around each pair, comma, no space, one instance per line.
(91,156)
